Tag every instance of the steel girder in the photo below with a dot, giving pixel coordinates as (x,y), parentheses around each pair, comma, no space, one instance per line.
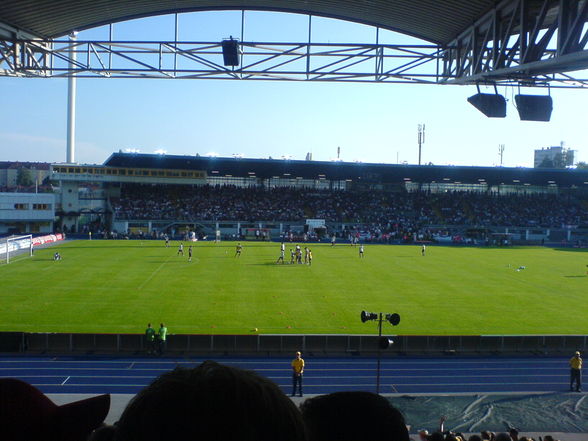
(529,42)
(204,60)
(415,64)
(519,42)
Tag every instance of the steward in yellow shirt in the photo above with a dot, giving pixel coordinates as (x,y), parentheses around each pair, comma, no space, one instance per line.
(576,372)
(297,371)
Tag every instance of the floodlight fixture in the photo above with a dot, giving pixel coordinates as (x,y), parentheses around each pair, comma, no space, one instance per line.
(534,107)
(492,105)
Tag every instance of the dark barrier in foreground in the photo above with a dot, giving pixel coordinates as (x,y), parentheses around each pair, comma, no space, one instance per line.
(182,344)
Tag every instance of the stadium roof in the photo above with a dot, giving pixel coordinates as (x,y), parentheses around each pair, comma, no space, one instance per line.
(432,20)
(357,172)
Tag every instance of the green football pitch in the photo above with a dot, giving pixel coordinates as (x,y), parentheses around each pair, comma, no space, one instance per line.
(120,286)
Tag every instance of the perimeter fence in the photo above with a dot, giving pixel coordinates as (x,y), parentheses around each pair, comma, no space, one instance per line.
(268,345)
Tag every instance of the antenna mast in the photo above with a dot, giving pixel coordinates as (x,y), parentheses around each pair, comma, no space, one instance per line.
(421,139)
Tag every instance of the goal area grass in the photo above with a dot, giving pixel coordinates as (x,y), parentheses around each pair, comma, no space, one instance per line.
(120,286)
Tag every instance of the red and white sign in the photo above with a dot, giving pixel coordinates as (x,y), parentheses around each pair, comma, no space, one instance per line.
(47,239)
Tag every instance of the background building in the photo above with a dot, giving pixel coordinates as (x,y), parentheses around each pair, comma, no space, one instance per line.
(22,174)
(554,157)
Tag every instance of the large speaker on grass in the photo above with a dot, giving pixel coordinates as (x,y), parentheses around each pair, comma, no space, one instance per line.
(534,107)
(490,104)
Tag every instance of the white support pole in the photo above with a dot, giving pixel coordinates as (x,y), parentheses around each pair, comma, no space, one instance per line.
(71,103)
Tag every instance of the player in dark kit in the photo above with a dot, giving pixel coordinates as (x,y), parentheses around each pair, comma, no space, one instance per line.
(238,250)
(190,253)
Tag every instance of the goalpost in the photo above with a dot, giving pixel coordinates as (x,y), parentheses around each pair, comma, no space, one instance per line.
(16,245)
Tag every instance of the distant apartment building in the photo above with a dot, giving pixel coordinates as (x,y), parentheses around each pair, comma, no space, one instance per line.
(15,174)
(553,157)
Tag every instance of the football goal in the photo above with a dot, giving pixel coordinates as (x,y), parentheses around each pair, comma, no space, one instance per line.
(13,246)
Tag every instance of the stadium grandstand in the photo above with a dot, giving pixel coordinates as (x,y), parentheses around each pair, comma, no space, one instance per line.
(166,194)
(75,326)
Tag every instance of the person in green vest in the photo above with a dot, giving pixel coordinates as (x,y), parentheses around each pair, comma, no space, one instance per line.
(161,338)
(150,338)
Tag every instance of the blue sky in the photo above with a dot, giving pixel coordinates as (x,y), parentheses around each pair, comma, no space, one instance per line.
(369,122)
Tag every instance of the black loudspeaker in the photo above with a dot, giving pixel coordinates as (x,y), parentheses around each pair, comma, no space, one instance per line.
(385,342)
(394,319)
(230,52)
(534,107)
(366,316)
(490,104)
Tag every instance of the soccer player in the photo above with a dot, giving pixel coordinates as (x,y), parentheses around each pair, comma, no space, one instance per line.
(238,250)
(309,256)
(306,251)
(361,251)
(292,256)
(298,254)
(190,253)
(423,250)
(333,239)
(166,241)
(281,255)
(181,249)
(57,256)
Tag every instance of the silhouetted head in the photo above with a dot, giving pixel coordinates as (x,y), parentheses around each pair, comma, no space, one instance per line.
(353,416)
(211,402)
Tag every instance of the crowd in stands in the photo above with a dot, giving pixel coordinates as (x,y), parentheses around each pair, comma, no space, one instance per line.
(214,402)
(386,211)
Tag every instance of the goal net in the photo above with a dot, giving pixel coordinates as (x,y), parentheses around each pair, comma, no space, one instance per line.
(13,246)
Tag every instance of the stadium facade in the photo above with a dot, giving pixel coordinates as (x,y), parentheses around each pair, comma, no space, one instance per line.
(82,194)
(85,192)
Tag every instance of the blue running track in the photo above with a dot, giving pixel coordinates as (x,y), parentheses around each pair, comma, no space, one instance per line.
(403,375)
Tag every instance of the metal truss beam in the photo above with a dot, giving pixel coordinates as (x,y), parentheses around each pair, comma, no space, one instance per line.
(204,60)
(529,42)
(329,62)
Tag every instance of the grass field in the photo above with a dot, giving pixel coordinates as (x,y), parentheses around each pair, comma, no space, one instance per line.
(119,286)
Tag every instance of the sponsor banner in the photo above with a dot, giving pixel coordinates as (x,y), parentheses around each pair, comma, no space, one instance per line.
(47,239)
(315,223)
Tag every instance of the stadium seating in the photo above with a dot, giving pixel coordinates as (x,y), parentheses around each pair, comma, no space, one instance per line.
(377,212)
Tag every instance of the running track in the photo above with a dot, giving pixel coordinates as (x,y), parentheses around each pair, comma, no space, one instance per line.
(403,375)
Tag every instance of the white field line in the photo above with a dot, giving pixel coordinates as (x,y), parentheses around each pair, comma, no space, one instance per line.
(154,272)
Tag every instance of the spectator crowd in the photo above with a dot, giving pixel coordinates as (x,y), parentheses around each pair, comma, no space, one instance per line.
(414,210)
